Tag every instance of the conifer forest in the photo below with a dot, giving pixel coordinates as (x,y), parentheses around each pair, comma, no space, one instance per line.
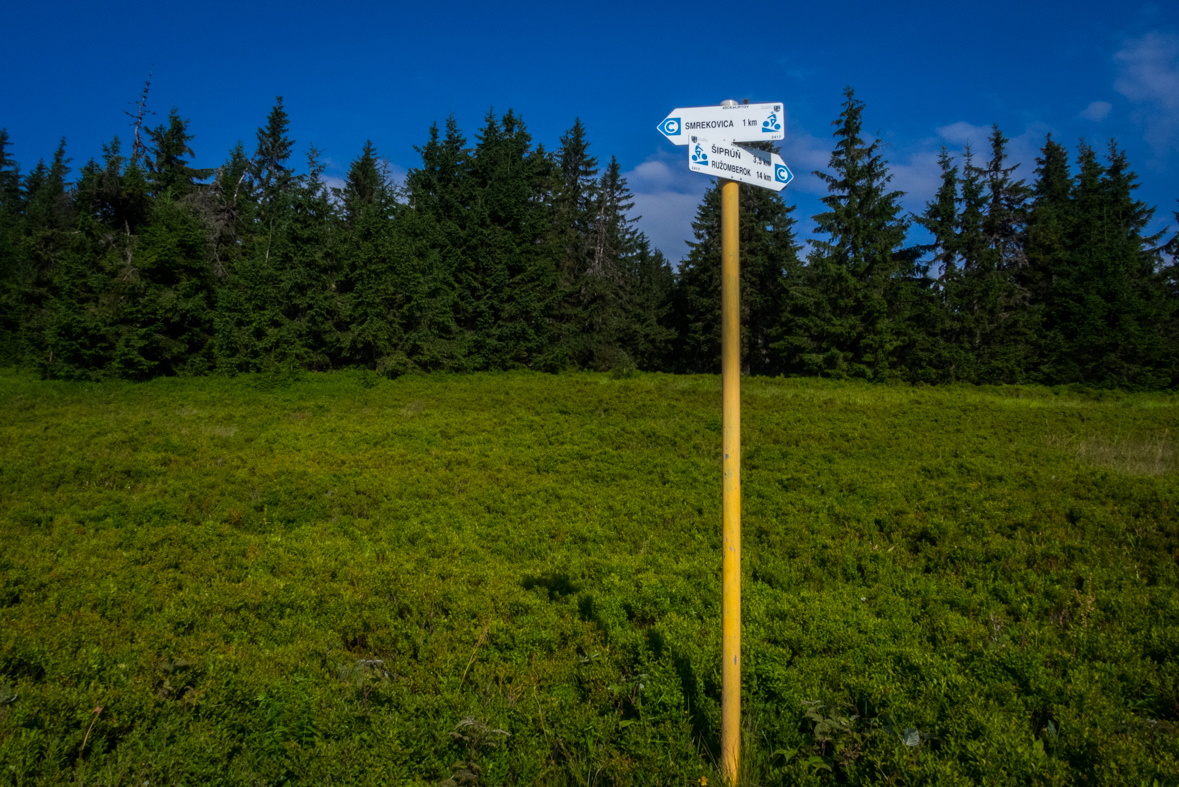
(496,253)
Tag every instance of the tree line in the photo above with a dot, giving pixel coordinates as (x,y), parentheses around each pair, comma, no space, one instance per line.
(498,254)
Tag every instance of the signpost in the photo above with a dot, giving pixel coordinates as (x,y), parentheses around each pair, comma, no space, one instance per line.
(744,165)
(712,134)
(730,121)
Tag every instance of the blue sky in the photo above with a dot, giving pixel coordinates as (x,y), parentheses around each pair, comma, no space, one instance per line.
(929,73)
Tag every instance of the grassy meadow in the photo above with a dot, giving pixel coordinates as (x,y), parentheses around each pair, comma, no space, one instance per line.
(513,579)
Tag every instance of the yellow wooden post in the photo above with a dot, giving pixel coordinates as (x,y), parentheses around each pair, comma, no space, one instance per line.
(731,489)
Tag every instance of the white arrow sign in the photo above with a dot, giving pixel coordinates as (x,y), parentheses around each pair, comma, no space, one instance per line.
(734,162)
(739,123)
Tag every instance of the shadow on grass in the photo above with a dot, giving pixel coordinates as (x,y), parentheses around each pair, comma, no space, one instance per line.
(702,732)
(558,585)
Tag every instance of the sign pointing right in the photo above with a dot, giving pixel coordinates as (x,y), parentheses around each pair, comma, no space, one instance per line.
(736,162)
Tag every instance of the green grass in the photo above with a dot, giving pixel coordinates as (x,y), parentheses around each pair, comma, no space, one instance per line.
(515,577)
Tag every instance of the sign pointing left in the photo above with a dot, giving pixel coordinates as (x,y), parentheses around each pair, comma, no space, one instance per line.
(737,123)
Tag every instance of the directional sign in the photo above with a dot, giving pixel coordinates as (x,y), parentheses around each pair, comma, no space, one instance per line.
(734,162)
(738,123)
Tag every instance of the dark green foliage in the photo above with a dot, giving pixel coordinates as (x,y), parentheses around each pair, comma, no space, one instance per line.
(941,219)
(11,312)
(143,311)
(116,276)
(989,325)
(575,202)
(614,289)
(607,281)
(9,180)
(503,256)
(937,344)
(1050,222)
(269,169)
(1169,279)
(862,270)
(1107,312)
(1003,326)
(229,210)
(647,334)
(506,285)
(46,203)
(439,193)
(275,311)
(169,171)
(37,250)
(377,280)
(364,185)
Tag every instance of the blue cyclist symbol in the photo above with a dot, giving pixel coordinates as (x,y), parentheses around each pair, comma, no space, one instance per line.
(700,157)
(771,124)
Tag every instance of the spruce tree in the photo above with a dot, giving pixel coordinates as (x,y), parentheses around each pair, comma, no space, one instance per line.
(507,283)
(43,237)
(605,287)
(130,295)
(168,165)
(363,184)
(280,308)
(11,307)
(999,324)
(649,335)
(1049,223)
(575,200)
(377,272)
(272,176)
(942,356)
(229,212)
(440,195)
(1109,306)
(861,268)
(255,215)
(941,219)
(9,181)
(1169,280)
(47,203)
(575,205)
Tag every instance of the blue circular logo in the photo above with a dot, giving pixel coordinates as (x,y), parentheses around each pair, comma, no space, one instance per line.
(782,174)
(670,127)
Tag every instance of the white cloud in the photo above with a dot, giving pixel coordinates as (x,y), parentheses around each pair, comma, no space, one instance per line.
(804,153)
(395,174)
(1149,77)
(1025,148)
(655,175)
(1097,111)
(963,134)
(666,198)
(1021,149)
(667,221)
(919,178)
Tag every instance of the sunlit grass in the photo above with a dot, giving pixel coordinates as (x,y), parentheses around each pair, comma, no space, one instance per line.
(319,582)
(1149,455)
